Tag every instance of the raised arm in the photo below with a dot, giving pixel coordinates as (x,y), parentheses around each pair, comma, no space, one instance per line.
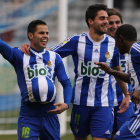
(5,50)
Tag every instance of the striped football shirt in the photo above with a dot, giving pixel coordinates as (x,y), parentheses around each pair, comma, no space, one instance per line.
(118,94)
(134,68)
(93,87)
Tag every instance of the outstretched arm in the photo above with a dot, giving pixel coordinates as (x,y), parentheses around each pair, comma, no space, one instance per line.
(118,74)
(67,98)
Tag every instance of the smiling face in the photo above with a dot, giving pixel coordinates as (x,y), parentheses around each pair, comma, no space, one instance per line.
(40,37)
(114,23)
(100,23)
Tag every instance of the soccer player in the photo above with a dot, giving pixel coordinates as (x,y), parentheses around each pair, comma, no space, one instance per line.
(115,20)
(92,93)
(36,77)
(126,37)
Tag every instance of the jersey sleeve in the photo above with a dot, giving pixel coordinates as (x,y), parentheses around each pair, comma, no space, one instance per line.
(5,50)
(116,57)
(67,91)
(67,47)
(10,54)
(60,70)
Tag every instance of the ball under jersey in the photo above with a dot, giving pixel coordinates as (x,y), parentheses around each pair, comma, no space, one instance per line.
(118,94)
(134,68)
(36,76)
(93,86)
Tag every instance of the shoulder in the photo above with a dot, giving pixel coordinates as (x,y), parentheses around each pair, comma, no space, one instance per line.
(135,49)
(53,54)
(110,38)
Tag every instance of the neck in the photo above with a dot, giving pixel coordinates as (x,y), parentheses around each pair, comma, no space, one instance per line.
(96,37)
(36,48)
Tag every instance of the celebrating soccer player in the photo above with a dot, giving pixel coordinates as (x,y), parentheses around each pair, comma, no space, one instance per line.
(115,20)
(36,77)
(126,37)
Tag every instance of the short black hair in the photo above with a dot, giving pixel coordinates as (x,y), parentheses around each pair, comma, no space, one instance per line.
(113,11)
(92,11)
(127,31)
(32,25)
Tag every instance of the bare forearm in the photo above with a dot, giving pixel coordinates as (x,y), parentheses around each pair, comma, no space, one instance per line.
(122,86)
(120,75)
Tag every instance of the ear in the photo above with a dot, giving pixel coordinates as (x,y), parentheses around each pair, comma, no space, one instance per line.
(30,35)
(90,21)
(122,38)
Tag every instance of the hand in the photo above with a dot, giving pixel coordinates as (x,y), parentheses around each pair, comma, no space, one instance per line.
(61,107)
(135,97)
(25,49)
(104,67)
(125,104)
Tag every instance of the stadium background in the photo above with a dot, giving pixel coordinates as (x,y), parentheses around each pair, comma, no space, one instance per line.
(14,18)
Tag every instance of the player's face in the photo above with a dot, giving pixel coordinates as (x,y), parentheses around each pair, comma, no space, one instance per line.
(100,22)
(114,23)
(40,37)
(120,45)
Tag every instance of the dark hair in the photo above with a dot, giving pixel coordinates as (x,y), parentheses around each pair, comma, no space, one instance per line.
(127,31)
(113,11)
(92,11)
(32,25)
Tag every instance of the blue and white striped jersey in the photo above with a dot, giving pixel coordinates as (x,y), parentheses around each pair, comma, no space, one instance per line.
(35,73)
(134,67)
(118,94)
(93,86)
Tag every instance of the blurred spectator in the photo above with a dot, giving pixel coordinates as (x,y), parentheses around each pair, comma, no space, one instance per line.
(137,3)
(118,4)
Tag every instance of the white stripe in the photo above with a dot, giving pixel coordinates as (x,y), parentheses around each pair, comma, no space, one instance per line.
(104,95)
(26,59)
(78,84)
(135,124)
(42,82)
(133,74)
(114,88)
(136,48)
(52,59)
(92,84)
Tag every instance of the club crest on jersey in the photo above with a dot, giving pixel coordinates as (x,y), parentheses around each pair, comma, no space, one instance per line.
(49,63)
(107,55)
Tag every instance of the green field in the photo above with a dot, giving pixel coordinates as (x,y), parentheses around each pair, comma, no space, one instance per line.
(14,137)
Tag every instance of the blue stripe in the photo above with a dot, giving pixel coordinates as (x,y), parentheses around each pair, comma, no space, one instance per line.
(86,79)
(50,89)
(98,87)
(110,92)
(35,86)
